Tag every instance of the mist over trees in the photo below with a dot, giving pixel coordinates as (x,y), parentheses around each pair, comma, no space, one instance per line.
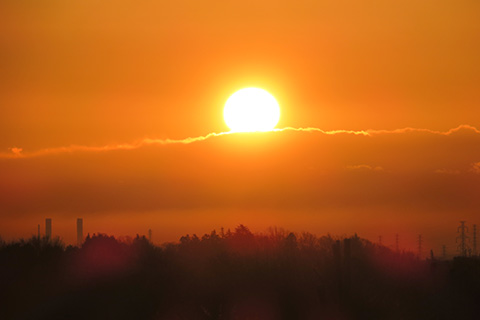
(231,275)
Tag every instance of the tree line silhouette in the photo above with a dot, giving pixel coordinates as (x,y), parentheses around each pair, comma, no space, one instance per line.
(231,275)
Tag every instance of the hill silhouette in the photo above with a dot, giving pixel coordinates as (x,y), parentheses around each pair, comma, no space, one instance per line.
(231,275)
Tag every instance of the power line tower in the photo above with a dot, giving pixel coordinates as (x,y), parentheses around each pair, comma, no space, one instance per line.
(397,247)
(462,238)
(475,240)
(420,242)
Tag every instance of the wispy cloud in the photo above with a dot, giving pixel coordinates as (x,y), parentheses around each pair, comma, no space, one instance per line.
(364,167)
(476,167)
(371,132)
(331,132)
(16,152)
(447,171)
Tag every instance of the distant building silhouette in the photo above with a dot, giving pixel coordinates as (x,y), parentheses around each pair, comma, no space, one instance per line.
(79,232)
(48,228)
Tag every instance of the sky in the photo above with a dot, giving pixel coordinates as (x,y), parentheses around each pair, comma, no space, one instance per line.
(97,99)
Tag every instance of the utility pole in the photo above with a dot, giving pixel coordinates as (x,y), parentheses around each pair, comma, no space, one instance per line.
(397,248)
(420,241)
(475,240)
(462,238)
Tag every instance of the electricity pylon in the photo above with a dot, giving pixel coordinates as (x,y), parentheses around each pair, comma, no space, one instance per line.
(475,240)
(420,242)
(462,238)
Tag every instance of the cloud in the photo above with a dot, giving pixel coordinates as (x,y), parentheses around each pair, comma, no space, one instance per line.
(331,132)
(364,167)
(18,152)
(111,147)
(447,171)
(289,171)
(371,132)
(476,167)
(409,129)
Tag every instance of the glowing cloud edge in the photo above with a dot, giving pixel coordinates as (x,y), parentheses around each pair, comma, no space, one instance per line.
(17,153)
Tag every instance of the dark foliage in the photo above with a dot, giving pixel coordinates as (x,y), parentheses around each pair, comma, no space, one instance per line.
(232,275)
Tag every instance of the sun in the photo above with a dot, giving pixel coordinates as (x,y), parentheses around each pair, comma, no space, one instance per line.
(250,110)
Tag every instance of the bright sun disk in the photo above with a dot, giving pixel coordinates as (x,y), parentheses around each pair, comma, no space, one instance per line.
(250,110)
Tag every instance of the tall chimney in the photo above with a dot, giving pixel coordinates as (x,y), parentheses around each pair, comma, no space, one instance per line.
(79,232)
(48,228)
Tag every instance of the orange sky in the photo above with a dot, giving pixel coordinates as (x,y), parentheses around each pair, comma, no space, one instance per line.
(89,74)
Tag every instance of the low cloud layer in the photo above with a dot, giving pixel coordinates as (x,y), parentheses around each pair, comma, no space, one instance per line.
(304,167)
(18,152)
(355,177)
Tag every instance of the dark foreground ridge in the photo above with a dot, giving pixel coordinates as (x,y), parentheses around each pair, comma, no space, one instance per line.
(236,275)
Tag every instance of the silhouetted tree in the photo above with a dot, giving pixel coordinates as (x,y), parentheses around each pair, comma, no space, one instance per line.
(240,275)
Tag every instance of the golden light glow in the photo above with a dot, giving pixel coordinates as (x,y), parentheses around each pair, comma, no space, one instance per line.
(250,110)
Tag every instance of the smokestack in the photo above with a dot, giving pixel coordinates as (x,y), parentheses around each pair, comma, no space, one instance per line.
(48,228)
(79,232)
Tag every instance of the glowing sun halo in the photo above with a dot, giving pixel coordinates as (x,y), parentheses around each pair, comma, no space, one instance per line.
(250,110)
